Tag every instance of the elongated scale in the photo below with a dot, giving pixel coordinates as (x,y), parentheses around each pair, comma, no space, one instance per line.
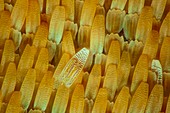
(70,9)
(44,92)
(100,104)
(61,100)
(113,54)
(50,5)
(27,88)
(155,100)
(19,18)
(77,100)
(40,39)
(123,70)
(158,8)
(73,68)
(88,12)
(33,16)
(93,82)
(135,6)
(144,25)
(110,81)
(165,28)
(151,45)
(165,54)
(5,22)
(8,55)
(41,64)
(26,62)
(140,73)
(67,43)
(57,24)
(14,103)
(122,101)
(9,82)
(139,99)
(97,34)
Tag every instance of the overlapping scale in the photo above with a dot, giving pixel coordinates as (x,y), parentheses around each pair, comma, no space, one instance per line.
(165,54)
(67,43)
(110,81)
(5,23)
(144,25)
(77,100)
(93,82)
(151,45)
(56,26)
(19,18)
(50,5)
(113,54)
(97,34)
(158,8)
(155,100)
(26,62)
(27,88)
(9,82)
(14,103)
(139,99)
(40,39)
(69,8)
(44,92)
(41,64)
(61,100)
(100,104)
(140,73)
(122,101)
(88,12)
(8,55)
(165,28)
(123,69)
(33,16)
